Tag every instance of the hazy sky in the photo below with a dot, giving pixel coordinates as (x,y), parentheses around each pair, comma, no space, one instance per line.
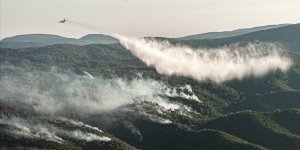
(170,18)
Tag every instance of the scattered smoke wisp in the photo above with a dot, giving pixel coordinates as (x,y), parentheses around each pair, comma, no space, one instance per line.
(217,65)
(37,130)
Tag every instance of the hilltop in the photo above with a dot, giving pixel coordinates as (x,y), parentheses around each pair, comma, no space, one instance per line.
(40,40)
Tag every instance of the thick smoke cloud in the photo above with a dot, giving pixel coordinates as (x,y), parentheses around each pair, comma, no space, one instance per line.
(217,65)
(60,93)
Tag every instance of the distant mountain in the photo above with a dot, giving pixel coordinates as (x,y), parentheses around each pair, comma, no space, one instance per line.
(98,39)
(288,36)
(206,39)
(216,35)
(36,40)
(40,40)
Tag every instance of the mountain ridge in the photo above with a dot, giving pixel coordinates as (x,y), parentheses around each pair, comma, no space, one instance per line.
(224,34)
(288,36)
(40,40)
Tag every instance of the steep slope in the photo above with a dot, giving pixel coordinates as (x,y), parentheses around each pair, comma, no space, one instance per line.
(288,36)
(170,136)
(224,34)
(257,128)
(289,119)
(90,57)
(22,129)
(270,102)
(114,59)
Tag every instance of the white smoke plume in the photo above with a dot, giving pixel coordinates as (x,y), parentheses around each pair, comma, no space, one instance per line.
(80,124)
(217,65)
(172,92)
(38,130)
(134,130)
(28,130)
(88,74)
(59,93)
(77,134)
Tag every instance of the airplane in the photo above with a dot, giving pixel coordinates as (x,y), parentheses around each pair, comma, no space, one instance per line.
(63,21)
